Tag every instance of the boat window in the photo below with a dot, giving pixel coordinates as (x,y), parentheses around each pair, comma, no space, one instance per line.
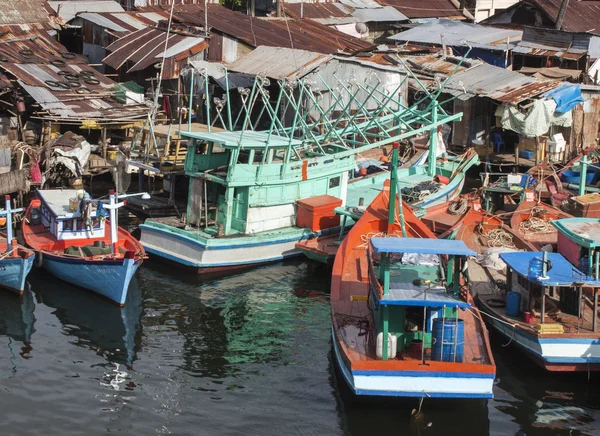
(67,226)
(279,155)
(258,156)
(334,182)
(243,157)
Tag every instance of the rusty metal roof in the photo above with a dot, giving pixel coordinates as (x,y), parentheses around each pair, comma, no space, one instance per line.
(581,16)
(124,22)
(337,13)
(274,32)
(425,8)
(144,48)
(28,14)
(553,43)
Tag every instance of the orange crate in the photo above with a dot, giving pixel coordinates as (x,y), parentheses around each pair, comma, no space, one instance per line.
(317,213)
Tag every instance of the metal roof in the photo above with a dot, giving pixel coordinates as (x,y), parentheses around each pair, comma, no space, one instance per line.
(26,14)
(217,71)
(425,8)
(124,22)
(337,13)
(485,80)
(68,10)
(145,48)
(553,43)
(457,33)
(279,63)
(581,16)
(274,32)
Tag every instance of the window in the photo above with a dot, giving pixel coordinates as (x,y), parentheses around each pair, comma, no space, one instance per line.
(334,182)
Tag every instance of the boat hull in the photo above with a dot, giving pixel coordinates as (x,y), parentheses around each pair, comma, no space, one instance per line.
(108,278)
(14,271)
(566,354)
(415,384)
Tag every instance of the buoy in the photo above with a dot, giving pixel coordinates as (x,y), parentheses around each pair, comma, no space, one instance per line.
(362,172)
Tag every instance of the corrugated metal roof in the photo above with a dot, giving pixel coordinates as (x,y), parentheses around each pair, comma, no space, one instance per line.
(457,33)
(27,14)
(103,21)
(379,15)
(70,103)
(274,32)
(553,43)
(581,16)
(425,8)
(124,22)
(145,48)
(217,72)
(67,10)
(279,63)
(507,86)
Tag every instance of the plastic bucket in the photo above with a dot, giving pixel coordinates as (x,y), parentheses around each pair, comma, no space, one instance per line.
(111,154)
(513,303)
(448,340)
(528,318)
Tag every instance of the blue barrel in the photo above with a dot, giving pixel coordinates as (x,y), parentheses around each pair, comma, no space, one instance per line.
(536,266)
(513,303)
(584,264)
(448,340)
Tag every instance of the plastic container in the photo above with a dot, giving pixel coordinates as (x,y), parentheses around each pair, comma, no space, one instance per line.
(584,264)
(513,303)
(570,176)
(526,154)
(111,154)
(528,318)
(441,179)
(535,269)
(317,213)
(448,340)
(392,346)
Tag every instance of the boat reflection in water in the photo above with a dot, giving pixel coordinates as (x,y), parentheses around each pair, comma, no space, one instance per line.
(16,325)
(114,332)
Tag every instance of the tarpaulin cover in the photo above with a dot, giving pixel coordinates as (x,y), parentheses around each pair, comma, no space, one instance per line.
(566,97)
(538,121)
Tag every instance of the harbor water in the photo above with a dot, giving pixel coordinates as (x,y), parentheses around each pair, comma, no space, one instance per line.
(248,354)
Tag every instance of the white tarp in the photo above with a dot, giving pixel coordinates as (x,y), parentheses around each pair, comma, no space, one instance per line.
(75,159)
(537,121)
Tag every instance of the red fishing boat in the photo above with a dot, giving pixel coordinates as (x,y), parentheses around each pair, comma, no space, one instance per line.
(393,279)
(440,219)
(532,222)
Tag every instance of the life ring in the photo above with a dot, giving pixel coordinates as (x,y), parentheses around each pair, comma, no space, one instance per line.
(495,302)
(39,259)
(458,207)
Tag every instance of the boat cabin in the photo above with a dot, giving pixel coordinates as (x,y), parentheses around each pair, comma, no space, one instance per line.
(245,182)
(415,298)
(66,216)
(579,243)
(549,293)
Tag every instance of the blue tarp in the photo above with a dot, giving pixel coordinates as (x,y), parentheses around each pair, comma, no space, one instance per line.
(561,272)
(566,97)
(421,246)
(403,294)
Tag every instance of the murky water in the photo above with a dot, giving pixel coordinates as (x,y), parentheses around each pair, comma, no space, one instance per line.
(244,355)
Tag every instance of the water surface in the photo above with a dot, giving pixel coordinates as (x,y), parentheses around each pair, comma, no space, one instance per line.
(244,355)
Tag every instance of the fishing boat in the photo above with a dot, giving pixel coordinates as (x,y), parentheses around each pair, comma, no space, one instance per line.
(444,217)
(76,242)
(16,261)
(402,323)
(532,222)
(248,188)
(551,307)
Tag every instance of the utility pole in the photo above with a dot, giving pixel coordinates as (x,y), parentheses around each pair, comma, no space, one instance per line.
(561,14)
(278,8)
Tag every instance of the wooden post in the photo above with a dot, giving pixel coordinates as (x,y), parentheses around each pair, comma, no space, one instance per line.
(104,145)
(595,317)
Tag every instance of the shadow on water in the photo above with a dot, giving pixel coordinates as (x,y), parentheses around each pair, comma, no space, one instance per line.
(97,323)
(543,402)
(17,322)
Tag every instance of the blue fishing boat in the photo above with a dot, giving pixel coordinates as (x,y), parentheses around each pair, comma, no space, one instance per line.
(15,260)
(75,242)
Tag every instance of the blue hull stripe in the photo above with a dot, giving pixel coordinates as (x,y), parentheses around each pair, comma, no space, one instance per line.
(422,394)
